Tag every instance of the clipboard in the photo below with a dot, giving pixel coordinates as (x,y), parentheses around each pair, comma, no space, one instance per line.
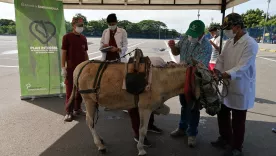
(106,49)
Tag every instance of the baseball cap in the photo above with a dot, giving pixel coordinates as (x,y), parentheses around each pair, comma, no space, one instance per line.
(232,19)
(196,28)
(78,21)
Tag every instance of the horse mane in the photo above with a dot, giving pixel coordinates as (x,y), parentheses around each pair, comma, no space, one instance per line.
(171,65)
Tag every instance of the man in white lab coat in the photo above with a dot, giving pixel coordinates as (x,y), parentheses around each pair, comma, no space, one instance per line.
(237,63)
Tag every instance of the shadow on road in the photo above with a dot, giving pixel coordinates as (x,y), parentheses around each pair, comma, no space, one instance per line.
(115,128)
(264,101)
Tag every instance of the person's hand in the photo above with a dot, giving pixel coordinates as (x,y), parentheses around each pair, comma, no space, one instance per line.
(105,45)
(171,43)
(114,49)
(226,76)
(63,72)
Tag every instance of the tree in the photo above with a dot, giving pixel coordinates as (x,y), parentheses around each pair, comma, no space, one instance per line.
(6,22)
(253,18)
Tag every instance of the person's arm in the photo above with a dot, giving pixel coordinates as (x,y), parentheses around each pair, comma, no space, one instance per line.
(64,49)
(124,48)
(175,51)
(102,41)
(86,49)
(215,46)
(248,57)
(220,60)
(63,58)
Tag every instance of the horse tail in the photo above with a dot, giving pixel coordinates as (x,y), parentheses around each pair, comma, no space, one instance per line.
(72,97)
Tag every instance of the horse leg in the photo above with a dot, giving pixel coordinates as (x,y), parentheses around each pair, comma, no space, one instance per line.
(144,121)
(90,115)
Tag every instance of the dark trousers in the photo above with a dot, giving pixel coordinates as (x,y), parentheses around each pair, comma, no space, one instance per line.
(232,130)
(135,120)
(69,87)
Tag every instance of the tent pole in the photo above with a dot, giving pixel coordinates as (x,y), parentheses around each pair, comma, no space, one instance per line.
(223,8)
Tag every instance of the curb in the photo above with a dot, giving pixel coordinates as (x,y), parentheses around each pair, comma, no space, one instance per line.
(267,50)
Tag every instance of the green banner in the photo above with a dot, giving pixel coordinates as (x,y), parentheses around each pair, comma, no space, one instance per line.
(40,26)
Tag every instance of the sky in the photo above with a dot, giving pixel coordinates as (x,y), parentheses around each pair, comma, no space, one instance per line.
(174,19)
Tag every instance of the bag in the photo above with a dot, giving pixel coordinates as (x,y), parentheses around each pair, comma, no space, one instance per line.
(135,83)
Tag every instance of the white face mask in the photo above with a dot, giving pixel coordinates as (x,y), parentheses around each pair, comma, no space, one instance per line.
(79,29)
(229,33)
(113,27)
(192,40)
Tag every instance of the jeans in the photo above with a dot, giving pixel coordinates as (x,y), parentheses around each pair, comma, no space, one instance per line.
(189,117)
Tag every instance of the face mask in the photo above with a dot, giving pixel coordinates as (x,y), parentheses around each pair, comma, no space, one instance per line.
(113,27)
(229,33)
(192,40)
(79,29)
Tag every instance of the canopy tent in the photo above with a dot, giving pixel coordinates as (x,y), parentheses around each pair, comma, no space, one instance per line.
(148,4)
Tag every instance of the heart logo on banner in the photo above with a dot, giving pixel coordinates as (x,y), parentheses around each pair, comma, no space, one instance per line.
(42,30)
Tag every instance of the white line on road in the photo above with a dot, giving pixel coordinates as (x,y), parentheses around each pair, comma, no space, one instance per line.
(8,66)
(128,47)
(266,59)
(8,59)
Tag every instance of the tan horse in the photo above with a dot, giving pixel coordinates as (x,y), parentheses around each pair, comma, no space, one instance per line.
(167,82)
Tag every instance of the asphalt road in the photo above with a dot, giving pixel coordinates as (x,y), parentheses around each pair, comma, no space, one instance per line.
(32,128)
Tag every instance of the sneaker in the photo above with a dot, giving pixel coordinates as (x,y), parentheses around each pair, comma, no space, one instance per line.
(220,143)
(192,141)
(274,130)
(154,129)
(178,133)
(232,153)
(146,141)
(79,112)
(68,117)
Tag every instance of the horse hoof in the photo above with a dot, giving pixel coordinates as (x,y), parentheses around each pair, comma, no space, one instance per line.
(102,151)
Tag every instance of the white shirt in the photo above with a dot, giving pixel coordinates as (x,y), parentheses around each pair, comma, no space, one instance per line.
(238,60)
(121,41)
(215,52)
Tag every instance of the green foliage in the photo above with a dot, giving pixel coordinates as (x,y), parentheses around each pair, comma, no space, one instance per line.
(253,18)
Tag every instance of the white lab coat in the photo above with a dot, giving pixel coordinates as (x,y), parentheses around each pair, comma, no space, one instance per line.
(238,60)
(121,41)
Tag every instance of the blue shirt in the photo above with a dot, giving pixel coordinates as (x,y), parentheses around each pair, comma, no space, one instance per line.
(200,51)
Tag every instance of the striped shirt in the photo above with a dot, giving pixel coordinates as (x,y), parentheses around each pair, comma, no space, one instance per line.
(200,51)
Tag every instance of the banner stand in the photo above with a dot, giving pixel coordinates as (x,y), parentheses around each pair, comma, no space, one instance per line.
(40,27)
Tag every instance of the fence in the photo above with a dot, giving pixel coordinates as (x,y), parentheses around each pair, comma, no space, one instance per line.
(269,34)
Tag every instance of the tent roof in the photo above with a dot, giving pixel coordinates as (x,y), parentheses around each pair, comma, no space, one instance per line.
(146,4)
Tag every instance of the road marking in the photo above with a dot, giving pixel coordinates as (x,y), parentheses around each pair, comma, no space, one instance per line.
(266,59)
(128,47)
(9,52)
(272,50)
(171,55)
(9,59)
(8,66)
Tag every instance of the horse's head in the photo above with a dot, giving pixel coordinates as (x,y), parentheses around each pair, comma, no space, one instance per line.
(207,92)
